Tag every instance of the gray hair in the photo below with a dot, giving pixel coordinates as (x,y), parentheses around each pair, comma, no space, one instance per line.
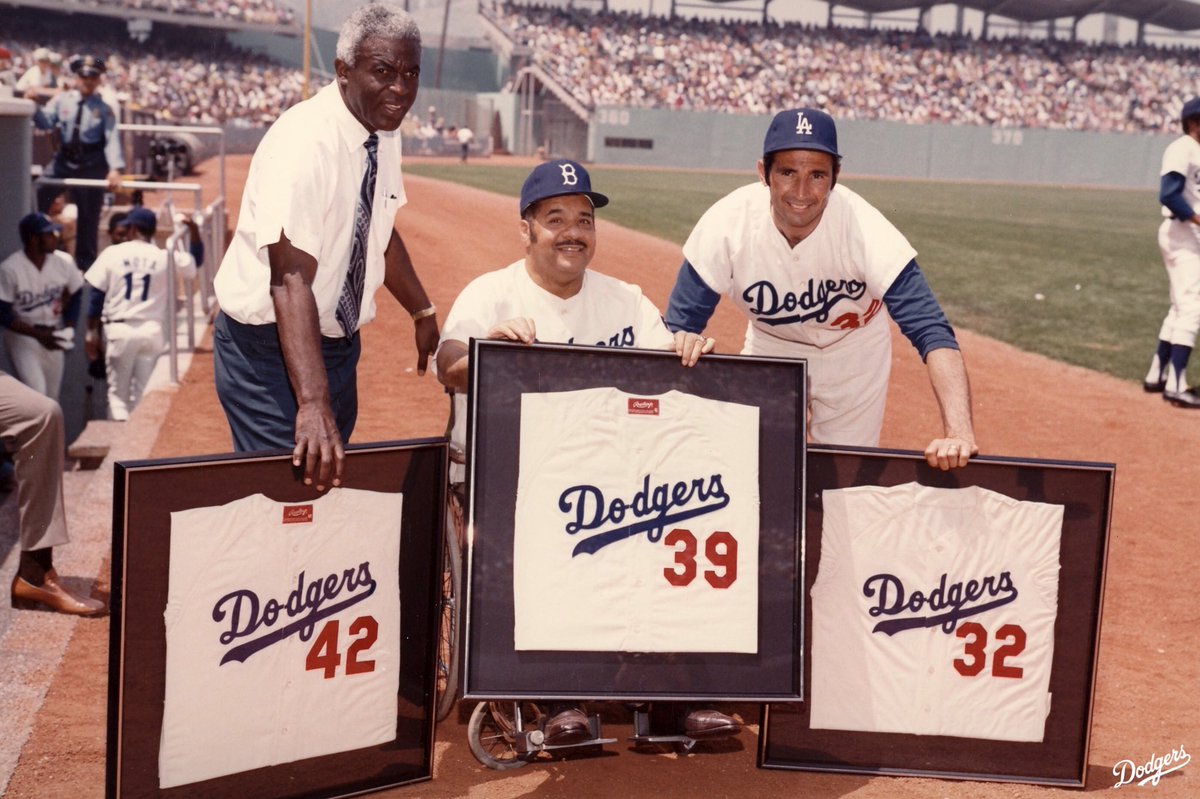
(376,19)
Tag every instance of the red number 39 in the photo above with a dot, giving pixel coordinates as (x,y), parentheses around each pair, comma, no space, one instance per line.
(720,550)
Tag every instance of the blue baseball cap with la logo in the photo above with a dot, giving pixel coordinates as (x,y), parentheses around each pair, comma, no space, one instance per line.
(557,178)
(802,129)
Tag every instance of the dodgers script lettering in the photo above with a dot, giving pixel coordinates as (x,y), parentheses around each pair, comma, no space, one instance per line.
(946,603)
(815,302)
(305,606)
(650,509)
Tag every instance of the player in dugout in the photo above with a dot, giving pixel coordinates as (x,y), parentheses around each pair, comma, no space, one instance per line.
(813,266)
(551,296)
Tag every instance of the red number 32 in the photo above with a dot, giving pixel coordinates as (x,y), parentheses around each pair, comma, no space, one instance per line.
(720,549)
(975,650)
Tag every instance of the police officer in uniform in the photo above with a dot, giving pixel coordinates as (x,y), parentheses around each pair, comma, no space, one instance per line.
(88,148)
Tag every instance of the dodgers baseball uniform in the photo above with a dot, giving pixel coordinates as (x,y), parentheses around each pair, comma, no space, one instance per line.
(1179,242)
(636,526)
(821,300)
(933,612)
(283,632)
(38,297)
(606,311)
(133,277)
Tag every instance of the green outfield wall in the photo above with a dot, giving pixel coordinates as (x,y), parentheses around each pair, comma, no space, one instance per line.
(640,137)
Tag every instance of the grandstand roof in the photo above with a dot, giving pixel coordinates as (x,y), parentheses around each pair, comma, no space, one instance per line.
(1177,15)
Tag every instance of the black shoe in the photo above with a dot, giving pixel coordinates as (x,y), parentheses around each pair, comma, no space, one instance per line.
(1183,399)
(568,725)
(711,724)
(1154,388)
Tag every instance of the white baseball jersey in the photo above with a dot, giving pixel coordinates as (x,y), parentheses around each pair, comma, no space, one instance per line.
(821,300)
(1183,156)
(606,311)
(816,293)
(636,525)
(37,294)
(933,612)
(283,632)
(133,277)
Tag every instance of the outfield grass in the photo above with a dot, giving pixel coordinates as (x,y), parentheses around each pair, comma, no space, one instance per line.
(988,250)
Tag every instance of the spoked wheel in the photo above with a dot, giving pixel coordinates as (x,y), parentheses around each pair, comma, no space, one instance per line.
(492,733)
(451,611)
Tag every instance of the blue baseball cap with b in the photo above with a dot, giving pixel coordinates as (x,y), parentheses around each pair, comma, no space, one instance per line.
(557,178)
(802,129)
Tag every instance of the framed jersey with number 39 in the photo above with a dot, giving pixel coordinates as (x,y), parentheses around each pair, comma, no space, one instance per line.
(634,525)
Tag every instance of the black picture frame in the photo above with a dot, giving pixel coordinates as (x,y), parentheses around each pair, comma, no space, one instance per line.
(500,373)
(1085,490)
(146,492)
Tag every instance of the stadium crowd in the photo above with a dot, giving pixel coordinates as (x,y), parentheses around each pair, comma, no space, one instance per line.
(208,83)
(260,12)
(614,58)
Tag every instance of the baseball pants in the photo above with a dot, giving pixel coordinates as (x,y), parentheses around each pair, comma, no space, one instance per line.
(31,426)
(37,367)
(847,382)
(253,386)
(131,352)
(1180,246)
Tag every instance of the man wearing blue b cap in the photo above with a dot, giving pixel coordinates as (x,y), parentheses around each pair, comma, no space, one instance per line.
(813,266)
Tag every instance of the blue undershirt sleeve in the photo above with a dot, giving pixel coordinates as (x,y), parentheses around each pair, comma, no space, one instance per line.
(71,312)
(1170,194)
(95,303)
(692,302)
(7,314)
(911,303)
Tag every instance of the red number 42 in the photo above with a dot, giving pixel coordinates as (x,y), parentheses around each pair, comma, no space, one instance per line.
(720,549)
(324,654)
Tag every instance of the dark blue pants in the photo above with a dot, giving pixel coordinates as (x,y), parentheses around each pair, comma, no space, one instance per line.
(90,203)
(252,384)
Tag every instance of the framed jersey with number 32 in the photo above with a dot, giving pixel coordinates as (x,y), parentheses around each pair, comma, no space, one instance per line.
(634,525)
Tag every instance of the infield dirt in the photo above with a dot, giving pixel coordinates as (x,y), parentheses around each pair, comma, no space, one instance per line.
(1025,405)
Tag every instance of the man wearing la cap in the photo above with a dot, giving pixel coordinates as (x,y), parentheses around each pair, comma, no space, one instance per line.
(1179,242)
(89,147)
(39,290)
(129,294)
(551,296)
(813,265)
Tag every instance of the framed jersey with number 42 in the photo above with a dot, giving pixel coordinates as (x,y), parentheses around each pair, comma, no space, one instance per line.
(634,525)
(268,639)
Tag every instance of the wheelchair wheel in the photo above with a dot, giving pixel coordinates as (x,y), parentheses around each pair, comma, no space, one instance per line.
(449,629)
(491,735)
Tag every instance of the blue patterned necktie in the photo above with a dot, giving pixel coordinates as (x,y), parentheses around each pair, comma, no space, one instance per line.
(350,300)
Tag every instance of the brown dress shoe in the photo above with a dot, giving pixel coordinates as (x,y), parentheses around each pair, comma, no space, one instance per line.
(711,724)
(52,594)
(568,725)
